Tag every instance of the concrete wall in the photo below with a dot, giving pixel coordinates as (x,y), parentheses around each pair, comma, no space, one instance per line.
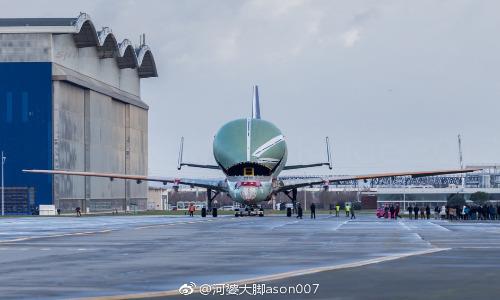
(61,49)
(25,47)
(69,144)
(137,149)
(155,199)
(106,151)
(87,62)
(94,132)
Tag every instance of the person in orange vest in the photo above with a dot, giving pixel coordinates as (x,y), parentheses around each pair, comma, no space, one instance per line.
(191,210)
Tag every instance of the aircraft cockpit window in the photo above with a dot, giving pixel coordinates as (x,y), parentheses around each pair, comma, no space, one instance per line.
(248,172)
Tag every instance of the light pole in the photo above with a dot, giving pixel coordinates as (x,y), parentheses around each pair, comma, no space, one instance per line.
(404,198)
(305,199)
(3,196)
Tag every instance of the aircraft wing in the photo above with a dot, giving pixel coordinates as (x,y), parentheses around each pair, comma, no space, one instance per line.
(288,184)
(294,167)
(218,185)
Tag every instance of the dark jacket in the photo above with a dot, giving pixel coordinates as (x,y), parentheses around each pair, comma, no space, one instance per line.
(299,211)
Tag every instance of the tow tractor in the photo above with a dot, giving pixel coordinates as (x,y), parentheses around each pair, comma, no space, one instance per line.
(249,211)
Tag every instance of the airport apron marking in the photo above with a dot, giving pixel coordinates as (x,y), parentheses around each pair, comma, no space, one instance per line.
(277,276)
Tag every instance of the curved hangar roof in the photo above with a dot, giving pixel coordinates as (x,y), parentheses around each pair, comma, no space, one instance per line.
(85,35)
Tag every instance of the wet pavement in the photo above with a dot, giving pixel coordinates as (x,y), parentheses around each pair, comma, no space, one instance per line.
(366,258)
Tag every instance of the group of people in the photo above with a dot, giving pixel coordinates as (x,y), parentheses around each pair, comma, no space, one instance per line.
(391,211)
(468,212)
(457,212)
(414,211)
(349,211)
(300,211)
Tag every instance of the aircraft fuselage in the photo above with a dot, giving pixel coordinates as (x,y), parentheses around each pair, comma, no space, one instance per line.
(251,153)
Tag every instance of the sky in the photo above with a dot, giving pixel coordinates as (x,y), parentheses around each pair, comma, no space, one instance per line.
(391,83)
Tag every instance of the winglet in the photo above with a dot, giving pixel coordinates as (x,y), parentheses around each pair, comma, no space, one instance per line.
(181,149)
(256,103)
(328,153)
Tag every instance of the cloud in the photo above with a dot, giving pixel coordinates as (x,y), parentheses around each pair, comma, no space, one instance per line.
(350,37)
(209,53)
(226,48)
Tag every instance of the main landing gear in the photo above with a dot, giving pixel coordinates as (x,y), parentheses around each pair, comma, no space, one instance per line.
(293,197)
(211,194)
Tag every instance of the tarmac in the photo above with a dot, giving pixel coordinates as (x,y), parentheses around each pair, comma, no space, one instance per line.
(119,257)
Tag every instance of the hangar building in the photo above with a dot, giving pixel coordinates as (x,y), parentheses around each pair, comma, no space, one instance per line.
(70,99)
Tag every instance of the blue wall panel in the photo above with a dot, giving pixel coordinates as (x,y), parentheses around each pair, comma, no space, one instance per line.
(26,125)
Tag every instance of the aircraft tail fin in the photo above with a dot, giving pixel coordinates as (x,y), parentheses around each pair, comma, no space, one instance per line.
(255,103)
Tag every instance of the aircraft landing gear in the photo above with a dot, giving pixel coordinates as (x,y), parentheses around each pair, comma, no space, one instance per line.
(210,197)
(293,197)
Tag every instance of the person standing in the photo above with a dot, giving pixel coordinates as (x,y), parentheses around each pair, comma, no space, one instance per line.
(337,209)
(352,213)
(410,212)
(392,210)
(428,212)
(396,212)
(466,212)
(386,211)
(442,212)
(436,212)
(78,211)
(313,211)
(347,209)
(493,212)
(299,211)
(422,213)
(415,210)
(191,210)
(485,212)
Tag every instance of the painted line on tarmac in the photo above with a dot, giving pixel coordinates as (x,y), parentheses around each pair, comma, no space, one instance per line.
(29,238)
(340,225)
(422,239)
(275,277)
(171,224)
(404,225)
(284,224)
(438,226)
(479,247)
